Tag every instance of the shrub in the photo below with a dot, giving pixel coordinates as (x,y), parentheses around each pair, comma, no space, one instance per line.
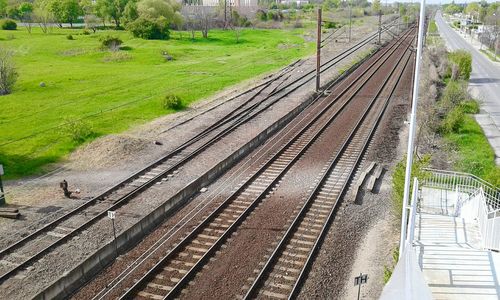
(172,102)
(329,25)
(470,107)
(8,73)
(398,178)
(8,24)
(86,32)
(261,15)
(453,121)
(78,130)
(463,60)
(454,94)
(111,42)
(150,29)
(70,37)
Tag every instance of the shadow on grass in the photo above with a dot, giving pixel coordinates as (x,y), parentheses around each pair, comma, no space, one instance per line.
(126,48)
(17,166)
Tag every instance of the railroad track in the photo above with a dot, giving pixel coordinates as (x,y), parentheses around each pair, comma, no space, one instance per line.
(25,251)
(286,267)
(172,273)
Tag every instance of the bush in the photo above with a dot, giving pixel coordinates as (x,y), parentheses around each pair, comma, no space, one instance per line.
(78,130)
(70,37)
(8,73)
(8,24)
(329,25)
(172,102)
(86,32)
(398,178)
(150,29)
(261,15)
(470,107)
(453,121)
(463,60)
(454,94)
(111,42)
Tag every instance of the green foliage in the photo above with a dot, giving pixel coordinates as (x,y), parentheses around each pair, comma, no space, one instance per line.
(111,42)
(398,178)
(388,270)
(78,130)
(453,121)
(454,93)
(70,37)
(8,24)
(172,101)
(433,27)
(331,24)
(474,151)
(168,10)
(261,15)
(376,7)
(331,4)
(130,13)
(66,11)
(469,106)
(463,60)
(150,29)
(8,72)
(111,9)
(452,8)
(3,7)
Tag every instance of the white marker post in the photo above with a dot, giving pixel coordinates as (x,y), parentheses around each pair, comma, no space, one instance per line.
(413,125)
(2,193)
(112,216)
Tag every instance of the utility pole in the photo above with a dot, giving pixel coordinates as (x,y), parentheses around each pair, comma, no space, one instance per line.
(413,124)
(318,51)
(2,192)
(379,25)
(350,19)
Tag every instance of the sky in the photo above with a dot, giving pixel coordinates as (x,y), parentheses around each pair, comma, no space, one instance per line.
(436,1)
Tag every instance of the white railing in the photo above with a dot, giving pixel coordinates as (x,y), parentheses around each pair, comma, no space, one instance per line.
(476,200)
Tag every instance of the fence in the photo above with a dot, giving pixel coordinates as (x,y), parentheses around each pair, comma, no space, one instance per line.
(476,199)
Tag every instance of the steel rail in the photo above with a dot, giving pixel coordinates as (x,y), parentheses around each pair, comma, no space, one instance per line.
(125,198)
(262,276)
(151,250)
(157,266)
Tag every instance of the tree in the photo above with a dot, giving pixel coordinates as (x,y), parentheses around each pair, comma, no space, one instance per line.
(26,14)
(153,9)
(8,73)
(473,9)
(130,13)
(376,7)
(66,11)
(112,9)
(42,15)
(3,8)
(91,22)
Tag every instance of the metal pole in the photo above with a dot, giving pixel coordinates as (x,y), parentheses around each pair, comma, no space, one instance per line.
(318,51)
(413,119)
(114,235)
(359,285)
(379,25)
(350,18)
(2,193)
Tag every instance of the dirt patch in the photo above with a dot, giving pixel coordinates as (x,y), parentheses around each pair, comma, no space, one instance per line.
(109,151)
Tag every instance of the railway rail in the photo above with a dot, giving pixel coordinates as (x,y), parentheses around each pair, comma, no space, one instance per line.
(63,228)
(182,263)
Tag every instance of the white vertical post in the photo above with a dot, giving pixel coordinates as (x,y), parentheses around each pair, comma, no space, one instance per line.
(413,208)
(413,121)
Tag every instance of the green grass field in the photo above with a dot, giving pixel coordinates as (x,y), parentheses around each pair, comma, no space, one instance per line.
(112,91)
(475,153)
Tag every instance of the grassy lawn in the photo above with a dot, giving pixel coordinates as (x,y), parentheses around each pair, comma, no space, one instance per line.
(112,91)
(475,153)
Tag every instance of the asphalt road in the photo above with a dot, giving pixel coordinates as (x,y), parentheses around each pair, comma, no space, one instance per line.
(484,83)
